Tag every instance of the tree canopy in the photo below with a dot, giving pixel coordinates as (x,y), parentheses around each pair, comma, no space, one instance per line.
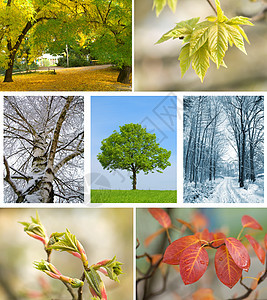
(133,149)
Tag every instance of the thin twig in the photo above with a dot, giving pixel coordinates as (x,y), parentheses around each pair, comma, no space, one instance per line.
(212,6)
(80,290)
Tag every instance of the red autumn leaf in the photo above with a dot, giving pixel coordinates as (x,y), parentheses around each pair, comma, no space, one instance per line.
(150,238)
(161,216)
(255,282)
(203,294)
(193,263)
(248,221)
(188,225)
(257,248)
(205,235)
(218,238)
(175,249)
(238,252)
(199,221)
(226,269)
(265,241)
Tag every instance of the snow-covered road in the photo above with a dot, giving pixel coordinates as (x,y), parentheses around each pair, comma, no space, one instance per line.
(228,191)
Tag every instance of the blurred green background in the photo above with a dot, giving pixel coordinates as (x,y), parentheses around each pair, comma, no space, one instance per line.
(104,233)
(157,67)
(227,220)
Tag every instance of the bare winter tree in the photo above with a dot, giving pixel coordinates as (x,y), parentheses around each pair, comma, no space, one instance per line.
(245,115)
(43,149)
(201,122)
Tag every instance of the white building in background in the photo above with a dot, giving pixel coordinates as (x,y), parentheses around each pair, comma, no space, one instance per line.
(47,60)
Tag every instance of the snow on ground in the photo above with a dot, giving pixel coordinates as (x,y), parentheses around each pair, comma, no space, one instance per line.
(227,190)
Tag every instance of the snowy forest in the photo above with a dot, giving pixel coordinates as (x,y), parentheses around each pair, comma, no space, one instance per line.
(223,149)
(43,149)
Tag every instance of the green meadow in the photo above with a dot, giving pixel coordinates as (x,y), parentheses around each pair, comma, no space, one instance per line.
(133,196)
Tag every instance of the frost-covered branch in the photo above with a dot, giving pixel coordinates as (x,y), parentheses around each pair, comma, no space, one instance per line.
(10,181)
(66,159)
(57,130)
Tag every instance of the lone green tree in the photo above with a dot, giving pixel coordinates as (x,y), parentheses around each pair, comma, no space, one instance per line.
(133,149)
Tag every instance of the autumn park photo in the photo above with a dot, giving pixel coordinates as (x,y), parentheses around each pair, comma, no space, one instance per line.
(65,45)
(133,149)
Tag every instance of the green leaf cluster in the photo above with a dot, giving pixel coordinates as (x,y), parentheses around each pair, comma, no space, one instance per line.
(133,149)
(207,40)
(158,5)
(65,242)
(113,268)
(35,226)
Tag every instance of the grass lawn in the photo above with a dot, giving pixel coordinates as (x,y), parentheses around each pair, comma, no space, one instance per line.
(92,78)
(130,196)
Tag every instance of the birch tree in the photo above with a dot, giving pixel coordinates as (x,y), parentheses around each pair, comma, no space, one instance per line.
(43,149)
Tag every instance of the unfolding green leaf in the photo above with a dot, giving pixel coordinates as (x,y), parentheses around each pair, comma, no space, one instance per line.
(239,21)
(211,18)
(220,14)
(67,242)
(181,30)
(200,62)
(208,39)
(218,42)
(235,37)
(199,36)
(185,59)
(160,4)
(172,4)
(241,30)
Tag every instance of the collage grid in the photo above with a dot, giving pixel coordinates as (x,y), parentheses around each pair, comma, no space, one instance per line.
(185,233)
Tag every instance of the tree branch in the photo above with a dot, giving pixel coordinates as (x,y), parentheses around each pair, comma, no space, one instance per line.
(10,181)
(66,159)
(249,290)
(57,131)
(212,6)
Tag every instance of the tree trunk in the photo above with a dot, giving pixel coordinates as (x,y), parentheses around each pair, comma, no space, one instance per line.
(9,70)
(124,75)
(134,180)
(242,165)
(251,161)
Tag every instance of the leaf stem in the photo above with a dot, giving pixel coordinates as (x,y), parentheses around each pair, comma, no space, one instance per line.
(212,6)
(241,231)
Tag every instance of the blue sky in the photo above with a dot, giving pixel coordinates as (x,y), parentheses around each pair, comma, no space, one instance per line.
(157,114)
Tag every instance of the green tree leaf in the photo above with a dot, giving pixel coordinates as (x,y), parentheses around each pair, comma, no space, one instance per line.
(220,14)
(181,30)
(239,20)
(235,37)
(200,61)
(159,5)
(199,36)
(172,4)
(185,59)
(208,39)
(218,42)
